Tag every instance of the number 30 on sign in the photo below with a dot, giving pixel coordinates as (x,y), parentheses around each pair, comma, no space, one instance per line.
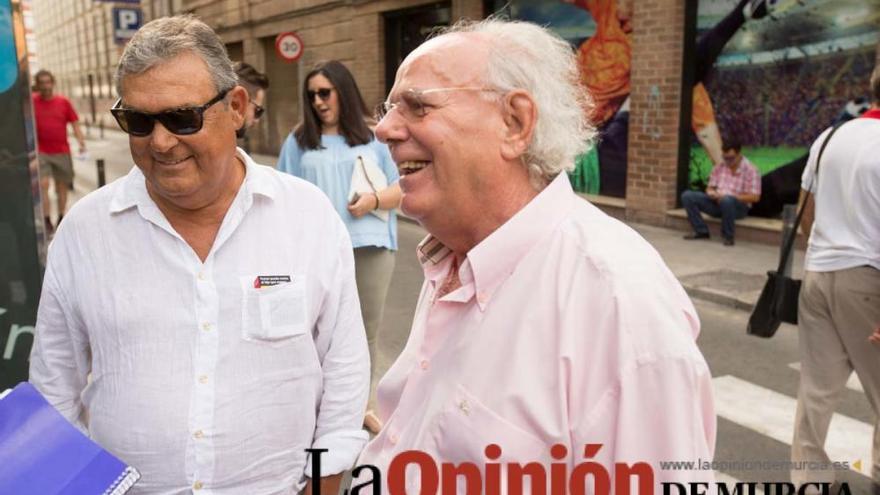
(289,46)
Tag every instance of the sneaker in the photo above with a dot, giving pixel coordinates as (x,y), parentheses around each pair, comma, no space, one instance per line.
(728,241)
(696,235)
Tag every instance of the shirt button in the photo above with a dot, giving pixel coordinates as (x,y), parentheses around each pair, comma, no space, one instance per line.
(198,485)
(393,438)
(202,276)
(424,364)
(203,379)
(481,298)
(206,326)
(198,434)
(465,407)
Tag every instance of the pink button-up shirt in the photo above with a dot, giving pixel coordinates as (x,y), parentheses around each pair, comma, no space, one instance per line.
(746,179)
(568,329)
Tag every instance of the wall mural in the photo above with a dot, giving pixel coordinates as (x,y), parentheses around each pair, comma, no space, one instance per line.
(775,78)
(771,74)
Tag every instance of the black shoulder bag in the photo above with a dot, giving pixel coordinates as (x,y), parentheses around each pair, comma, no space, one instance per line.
(778,301)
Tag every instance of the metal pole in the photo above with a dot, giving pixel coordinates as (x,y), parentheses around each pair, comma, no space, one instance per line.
(789,215)
(101,177)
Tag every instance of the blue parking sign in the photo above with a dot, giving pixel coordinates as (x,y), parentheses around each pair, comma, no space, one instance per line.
(126,21)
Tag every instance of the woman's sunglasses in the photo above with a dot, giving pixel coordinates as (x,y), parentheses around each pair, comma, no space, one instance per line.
(182,121)
(258,110)
(323,94)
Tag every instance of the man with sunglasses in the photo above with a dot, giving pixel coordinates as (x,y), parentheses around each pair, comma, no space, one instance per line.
(256,83)
(179,325)
(542,321)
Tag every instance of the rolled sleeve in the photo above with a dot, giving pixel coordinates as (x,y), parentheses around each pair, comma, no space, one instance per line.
(345,362)
(754,182)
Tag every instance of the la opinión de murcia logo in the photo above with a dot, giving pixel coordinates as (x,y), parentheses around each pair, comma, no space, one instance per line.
(587,477)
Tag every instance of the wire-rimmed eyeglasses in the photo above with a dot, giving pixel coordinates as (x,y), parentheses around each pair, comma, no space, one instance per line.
(411,103)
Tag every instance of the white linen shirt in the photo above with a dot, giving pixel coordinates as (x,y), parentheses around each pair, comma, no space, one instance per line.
(846,229)
(200,380)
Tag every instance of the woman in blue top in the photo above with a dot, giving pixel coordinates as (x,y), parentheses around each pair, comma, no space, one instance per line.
(323,149)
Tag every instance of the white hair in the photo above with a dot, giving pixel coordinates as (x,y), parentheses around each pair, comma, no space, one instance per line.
(526,56)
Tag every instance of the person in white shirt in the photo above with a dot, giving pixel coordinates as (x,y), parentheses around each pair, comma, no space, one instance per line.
(199,317)
(839,305)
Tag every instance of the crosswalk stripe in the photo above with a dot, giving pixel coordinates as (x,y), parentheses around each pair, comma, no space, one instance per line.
(852,383)
(772,414)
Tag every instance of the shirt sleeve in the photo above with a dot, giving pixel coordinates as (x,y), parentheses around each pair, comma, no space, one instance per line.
(389,168)
(71,112)
(754,182)
(658,405)
(345,362)
(289,158)
(713,176)
(60,357)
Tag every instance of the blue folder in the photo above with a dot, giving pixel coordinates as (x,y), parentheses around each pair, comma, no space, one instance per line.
(42,453)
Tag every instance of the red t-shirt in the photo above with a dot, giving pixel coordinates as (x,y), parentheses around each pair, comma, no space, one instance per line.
(52,116)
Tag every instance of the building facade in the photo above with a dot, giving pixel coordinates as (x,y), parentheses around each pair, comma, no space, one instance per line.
(76,39)
(370,37)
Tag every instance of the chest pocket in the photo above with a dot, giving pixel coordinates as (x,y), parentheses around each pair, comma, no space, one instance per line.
(273,314)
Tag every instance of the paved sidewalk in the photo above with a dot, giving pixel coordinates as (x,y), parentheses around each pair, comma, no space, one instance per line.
(732,276)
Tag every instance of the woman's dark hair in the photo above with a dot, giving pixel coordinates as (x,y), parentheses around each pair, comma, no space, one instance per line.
(352,109)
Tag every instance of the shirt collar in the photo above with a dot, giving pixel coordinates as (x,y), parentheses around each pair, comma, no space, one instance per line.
(496,257)
(133,191)
(873,113)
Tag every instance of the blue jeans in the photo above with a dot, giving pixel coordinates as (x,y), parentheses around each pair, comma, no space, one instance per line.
(729,209)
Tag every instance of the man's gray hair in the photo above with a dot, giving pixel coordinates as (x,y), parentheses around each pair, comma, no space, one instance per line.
(525,56)
(162,39)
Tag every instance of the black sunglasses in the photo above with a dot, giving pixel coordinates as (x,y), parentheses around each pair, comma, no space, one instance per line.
(182,121)
(323,94)
(258,110)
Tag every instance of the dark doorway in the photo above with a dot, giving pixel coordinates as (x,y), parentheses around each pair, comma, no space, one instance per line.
(408,28)
(235,51)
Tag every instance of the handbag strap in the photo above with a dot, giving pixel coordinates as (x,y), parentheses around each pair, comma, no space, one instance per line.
(789,241)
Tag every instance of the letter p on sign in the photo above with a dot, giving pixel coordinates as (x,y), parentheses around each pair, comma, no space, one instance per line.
(126,21)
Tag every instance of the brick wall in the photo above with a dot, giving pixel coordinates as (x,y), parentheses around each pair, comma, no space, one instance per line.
(657,61)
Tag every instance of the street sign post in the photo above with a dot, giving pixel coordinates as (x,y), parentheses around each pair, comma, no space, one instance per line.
(289,46)
(126,21)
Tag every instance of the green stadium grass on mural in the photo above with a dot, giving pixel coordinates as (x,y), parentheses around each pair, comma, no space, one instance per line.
(766,158)
(585,177)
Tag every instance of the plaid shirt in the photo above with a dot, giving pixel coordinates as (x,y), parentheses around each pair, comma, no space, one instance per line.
(746,179)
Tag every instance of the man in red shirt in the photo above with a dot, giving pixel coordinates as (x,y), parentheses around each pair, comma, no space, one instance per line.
(53,113)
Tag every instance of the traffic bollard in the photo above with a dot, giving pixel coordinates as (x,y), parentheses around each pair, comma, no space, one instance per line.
(102,179)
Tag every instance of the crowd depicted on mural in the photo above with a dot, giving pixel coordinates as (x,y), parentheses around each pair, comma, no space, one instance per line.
(788,103)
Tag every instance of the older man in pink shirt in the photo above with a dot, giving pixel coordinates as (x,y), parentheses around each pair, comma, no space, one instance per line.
(542,321)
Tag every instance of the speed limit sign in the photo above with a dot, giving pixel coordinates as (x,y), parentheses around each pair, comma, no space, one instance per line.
(289,46)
